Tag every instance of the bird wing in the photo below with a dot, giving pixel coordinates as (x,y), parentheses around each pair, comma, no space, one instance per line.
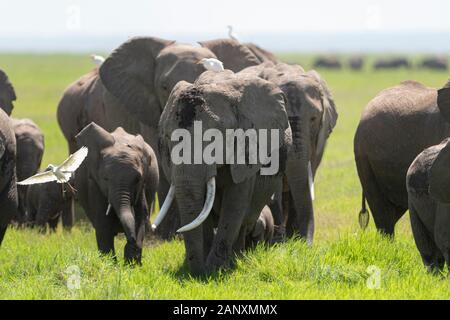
(74,160)
(43,177)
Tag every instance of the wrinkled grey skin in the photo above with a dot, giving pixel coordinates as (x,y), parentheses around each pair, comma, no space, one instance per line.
(46,203)
(356,63)
(435,63)
(8,189)
(312,116)
(262,230)
(121,170)
(133,84)
(395,126)
(232,101)
(428,186)
(7,93)
(392,63)
(30,149)
(327,63)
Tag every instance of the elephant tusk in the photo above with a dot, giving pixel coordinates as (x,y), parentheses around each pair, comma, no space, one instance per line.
(108,210)
(164,208)
(209,201)
(311,181)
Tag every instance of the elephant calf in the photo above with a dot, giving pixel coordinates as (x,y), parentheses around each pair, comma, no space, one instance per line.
(116,185)
(46,203)
(30,148)
(262,231)
(428,185)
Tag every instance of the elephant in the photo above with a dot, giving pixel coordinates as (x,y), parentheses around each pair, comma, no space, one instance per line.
(262,231)
(8,179)
(116,185)
(7,93)
(356,63)
(328,63)
(132,86)
(392,63)
(47,202)
(235,192)
(435,63)
(30,149)
(312,116)
(427,183)
(395,126)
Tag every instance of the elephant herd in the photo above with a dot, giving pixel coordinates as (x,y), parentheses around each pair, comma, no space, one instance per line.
(127,110)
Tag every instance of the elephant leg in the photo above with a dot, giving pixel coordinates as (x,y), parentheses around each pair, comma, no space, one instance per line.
(68,215)
(430,253)
(235,202)
(208,232)
(105,241)
(385,214)
(168,227)
(2,233)
(42,218)
(279,218)
(53,223)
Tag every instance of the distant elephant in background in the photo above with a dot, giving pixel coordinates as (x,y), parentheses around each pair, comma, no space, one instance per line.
(8,179)
(436,63)
(116,185)
(428,185)
(392,63)
(395,126)
(229,196)
(7,93)
(132,86)
(46,203)
(262,231)
(312,116)
(327,63)
(30,149)
(356,63)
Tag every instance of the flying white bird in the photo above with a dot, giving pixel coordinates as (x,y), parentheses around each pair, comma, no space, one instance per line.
(97,60)
(61,173)
(212,64)
(231,34)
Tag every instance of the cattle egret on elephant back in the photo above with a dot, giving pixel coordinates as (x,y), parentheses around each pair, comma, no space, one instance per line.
(231,34)
(97,60)
(61,173)
(212,64)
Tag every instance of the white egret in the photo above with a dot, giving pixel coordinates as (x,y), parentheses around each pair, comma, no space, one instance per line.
(61,173)
(97,60)
(212,64)
(231,34)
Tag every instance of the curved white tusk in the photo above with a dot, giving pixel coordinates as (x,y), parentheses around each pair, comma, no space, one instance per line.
(209,201)
(108,210)
(165,208)
(310,181)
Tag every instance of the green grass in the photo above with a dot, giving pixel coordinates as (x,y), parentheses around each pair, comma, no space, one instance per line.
(338,266)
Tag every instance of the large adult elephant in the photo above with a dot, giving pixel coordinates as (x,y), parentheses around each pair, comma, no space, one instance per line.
(395,126)
(235,192)
(30,149)
(8,180)
(7,93)
(132,87)
(312,116)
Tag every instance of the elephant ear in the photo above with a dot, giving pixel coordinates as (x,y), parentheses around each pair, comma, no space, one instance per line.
(262,106)
(443,101)
(439,175)
(262,54)
(95,138)
(329,116)
(233,55)
(129,72)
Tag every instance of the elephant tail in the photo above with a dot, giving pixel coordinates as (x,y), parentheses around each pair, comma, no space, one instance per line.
(363,214)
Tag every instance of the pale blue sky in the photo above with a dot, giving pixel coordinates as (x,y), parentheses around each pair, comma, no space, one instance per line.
(159,17)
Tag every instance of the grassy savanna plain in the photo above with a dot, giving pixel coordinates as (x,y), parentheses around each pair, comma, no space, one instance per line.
(344,262)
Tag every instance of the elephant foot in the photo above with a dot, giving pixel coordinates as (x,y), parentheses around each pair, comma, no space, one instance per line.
(279,234)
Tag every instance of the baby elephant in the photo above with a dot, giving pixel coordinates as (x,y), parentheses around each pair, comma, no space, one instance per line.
(262,231)
(428,185)
(46,203)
